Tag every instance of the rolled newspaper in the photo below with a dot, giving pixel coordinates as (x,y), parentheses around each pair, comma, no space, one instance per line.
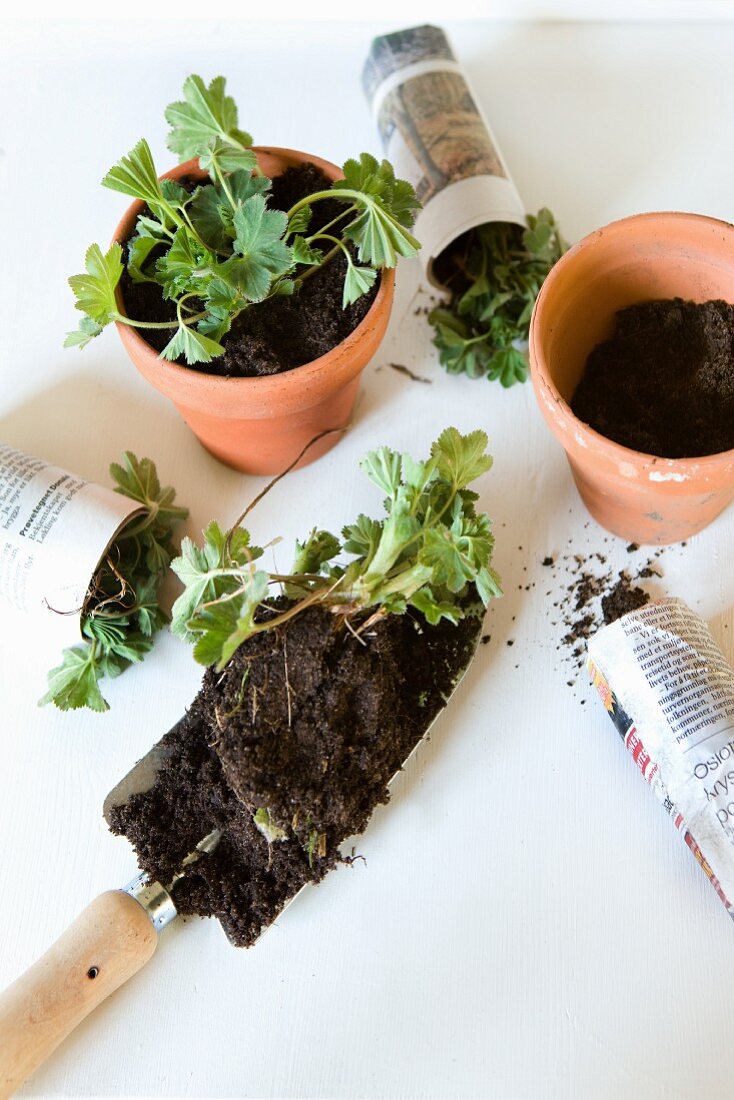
(435,135)
(55,528)
(670,693)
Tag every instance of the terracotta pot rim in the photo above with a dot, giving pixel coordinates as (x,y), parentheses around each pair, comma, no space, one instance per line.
(558,407)
(173,375)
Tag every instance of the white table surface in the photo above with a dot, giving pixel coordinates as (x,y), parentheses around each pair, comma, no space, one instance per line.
(527,924)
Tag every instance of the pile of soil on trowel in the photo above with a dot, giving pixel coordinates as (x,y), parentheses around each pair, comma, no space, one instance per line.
(288,751)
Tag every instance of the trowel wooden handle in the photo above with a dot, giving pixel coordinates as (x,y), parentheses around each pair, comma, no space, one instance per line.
(108,943)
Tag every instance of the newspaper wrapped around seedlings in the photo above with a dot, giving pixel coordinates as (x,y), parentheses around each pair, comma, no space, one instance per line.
(670,693)
(435,136)
(55,528)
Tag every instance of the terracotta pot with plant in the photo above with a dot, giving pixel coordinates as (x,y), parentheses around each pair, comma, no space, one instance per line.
(648,258)
(251,286)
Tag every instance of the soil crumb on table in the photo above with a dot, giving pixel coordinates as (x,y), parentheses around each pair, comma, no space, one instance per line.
(308,723)
(402,369)
(593,594)
(623,598)
(282,332)
(664,383)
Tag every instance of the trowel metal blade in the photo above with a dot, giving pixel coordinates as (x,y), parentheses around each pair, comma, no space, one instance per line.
(140,778)
(459,677)
(143,776)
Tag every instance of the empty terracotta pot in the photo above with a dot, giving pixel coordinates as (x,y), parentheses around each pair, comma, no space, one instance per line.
(260,425)
(641,497)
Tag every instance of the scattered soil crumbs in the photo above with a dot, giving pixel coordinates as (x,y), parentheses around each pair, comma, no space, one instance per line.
(592,594)
(281,333)
(402,369)
(308,723)
(664,383)
(623,597)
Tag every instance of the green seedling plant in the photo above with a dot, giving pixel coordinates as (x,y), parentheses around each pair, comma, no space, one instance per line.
(428,553)
(121,611)
(220,249)
(494,280)
(424,553)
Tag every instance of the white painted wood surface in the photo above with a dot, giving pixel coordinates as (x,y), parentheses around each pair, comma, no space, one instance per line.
(527,923)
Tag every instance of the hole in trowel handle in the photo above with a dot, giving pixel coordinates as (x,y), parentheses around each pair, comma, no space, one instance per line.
(93,972)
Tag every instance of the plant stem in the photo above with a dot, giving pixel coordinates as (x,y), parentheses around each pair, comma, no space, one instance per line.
(315,597)
(406,583)
(225,186)
(338,218)
(317,195)
(144,521)
(193,232)
(172,214)
(148,324)
(360,199)
(317,267)
(294,578)
(277,478)
(336,242)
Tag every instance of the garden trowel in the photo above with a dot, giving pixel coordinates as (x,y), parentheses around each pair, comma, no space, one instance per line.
(107,943)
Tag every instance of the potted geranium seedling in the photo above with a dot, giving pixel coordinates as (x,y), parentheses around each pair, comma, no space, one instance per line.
(249,285)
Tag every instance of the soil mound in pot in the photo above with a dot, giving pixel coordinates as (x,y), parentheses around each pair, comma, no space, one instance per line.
(281,333)
(664,383)
(306,722)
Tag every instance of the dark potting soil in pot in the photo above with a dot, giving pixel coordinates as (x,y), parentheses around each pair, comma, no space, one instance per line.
(283,332)
(664,383)
(306,721)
